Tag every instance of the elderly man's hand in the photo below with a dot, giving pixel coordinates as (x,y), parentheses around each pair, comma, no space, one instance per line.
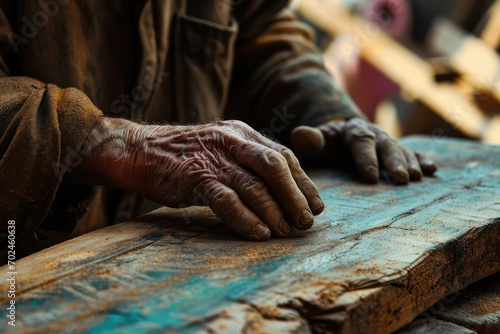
(253,184)
(367,145)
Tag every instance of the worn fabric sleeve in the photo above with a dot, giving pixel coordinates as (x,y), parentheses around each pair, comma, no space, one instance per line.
(279,78)
(42,129)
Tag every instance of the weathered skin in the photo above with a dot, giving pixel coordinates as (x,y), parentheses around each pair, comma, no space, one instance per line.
(256,186)
(366,143)
(253,184)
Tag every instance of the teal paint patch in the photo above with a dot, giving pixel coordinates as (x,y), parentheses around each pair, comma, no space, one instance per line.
(174,311)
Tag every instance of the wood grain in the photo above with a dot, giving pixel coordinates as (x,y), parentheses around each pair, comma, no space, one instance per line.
(374,260)
(434,326)
(475,309)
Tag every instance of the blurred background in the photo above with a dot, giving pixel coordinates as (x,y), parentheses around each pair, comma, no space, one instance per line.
(415,66)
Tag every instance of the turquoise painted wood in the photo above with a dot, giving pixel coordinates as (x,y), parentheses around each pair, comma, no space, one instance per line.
(374,260)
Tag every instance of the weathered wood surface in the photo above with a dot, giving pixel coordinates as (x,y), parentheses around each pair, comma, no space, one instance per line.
(374,260)
(476,309)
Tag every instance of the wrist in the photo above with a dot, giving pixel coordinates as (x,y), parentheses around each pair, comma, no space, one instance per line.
(106,153)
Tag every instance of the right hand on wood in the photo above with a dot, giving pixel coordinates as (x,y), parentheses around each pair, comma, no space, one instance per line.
(253,184)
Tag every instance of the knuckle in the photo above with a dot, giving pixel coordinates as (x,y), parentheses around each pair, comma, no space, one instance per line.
(237,124)
(409,153)
(356,122)
(202,190)
(224,130)
(376,128)
(256,191)
(222,198)
(294,164)
(272,161)
(217,132)
(387,141)
(220,137)
(254,185)
(261,202)
(359,133)
(288,155)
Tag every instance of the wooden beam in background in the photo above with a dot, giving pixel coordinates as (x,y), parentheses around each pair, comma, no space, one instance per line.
(411,73)
(468,55)
(491,32)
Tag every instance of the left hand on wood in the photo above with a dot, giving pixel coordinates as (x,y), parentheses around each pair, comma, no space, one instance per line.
(367,145)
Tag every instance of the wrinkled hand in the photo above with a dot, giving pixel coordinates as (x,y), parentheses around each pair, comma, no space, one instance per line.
(253,184)
(370,148)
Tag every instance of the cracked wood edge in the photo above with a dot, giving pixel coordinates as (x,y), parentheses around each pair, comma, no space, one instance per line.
(475,309)
(431,279)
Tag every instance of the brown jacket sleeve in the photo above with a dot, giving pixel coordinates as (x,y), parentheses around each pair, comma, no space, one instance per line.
(279,78)
(42,127)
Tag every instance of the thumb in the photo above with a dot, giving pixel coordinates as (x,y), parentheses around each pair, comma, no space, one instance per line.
(307,141)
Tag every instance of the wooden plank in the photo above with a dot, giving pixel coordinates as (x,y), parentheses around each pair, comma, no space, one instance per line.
(491,32)
(378,257)
(468,54)
(476,309)
(410,72)
(434,326)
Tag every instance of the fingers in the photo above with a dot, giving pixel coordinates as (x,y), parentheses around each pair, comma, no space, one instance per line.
(428,166)
(413,165)
(307,141)
(303,182)
(273,168)
(306,186)
(369,146)
(227,205)
(393,159)
(361,142)
(256,197)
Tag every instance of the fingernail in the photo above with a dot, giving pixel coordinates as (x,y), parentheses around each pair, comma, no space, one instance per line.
(305,220)
(428,166)
(317,205)
(285,228)
(263,233)
(415,173)
(400,175)
(371,174)
(400,169)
